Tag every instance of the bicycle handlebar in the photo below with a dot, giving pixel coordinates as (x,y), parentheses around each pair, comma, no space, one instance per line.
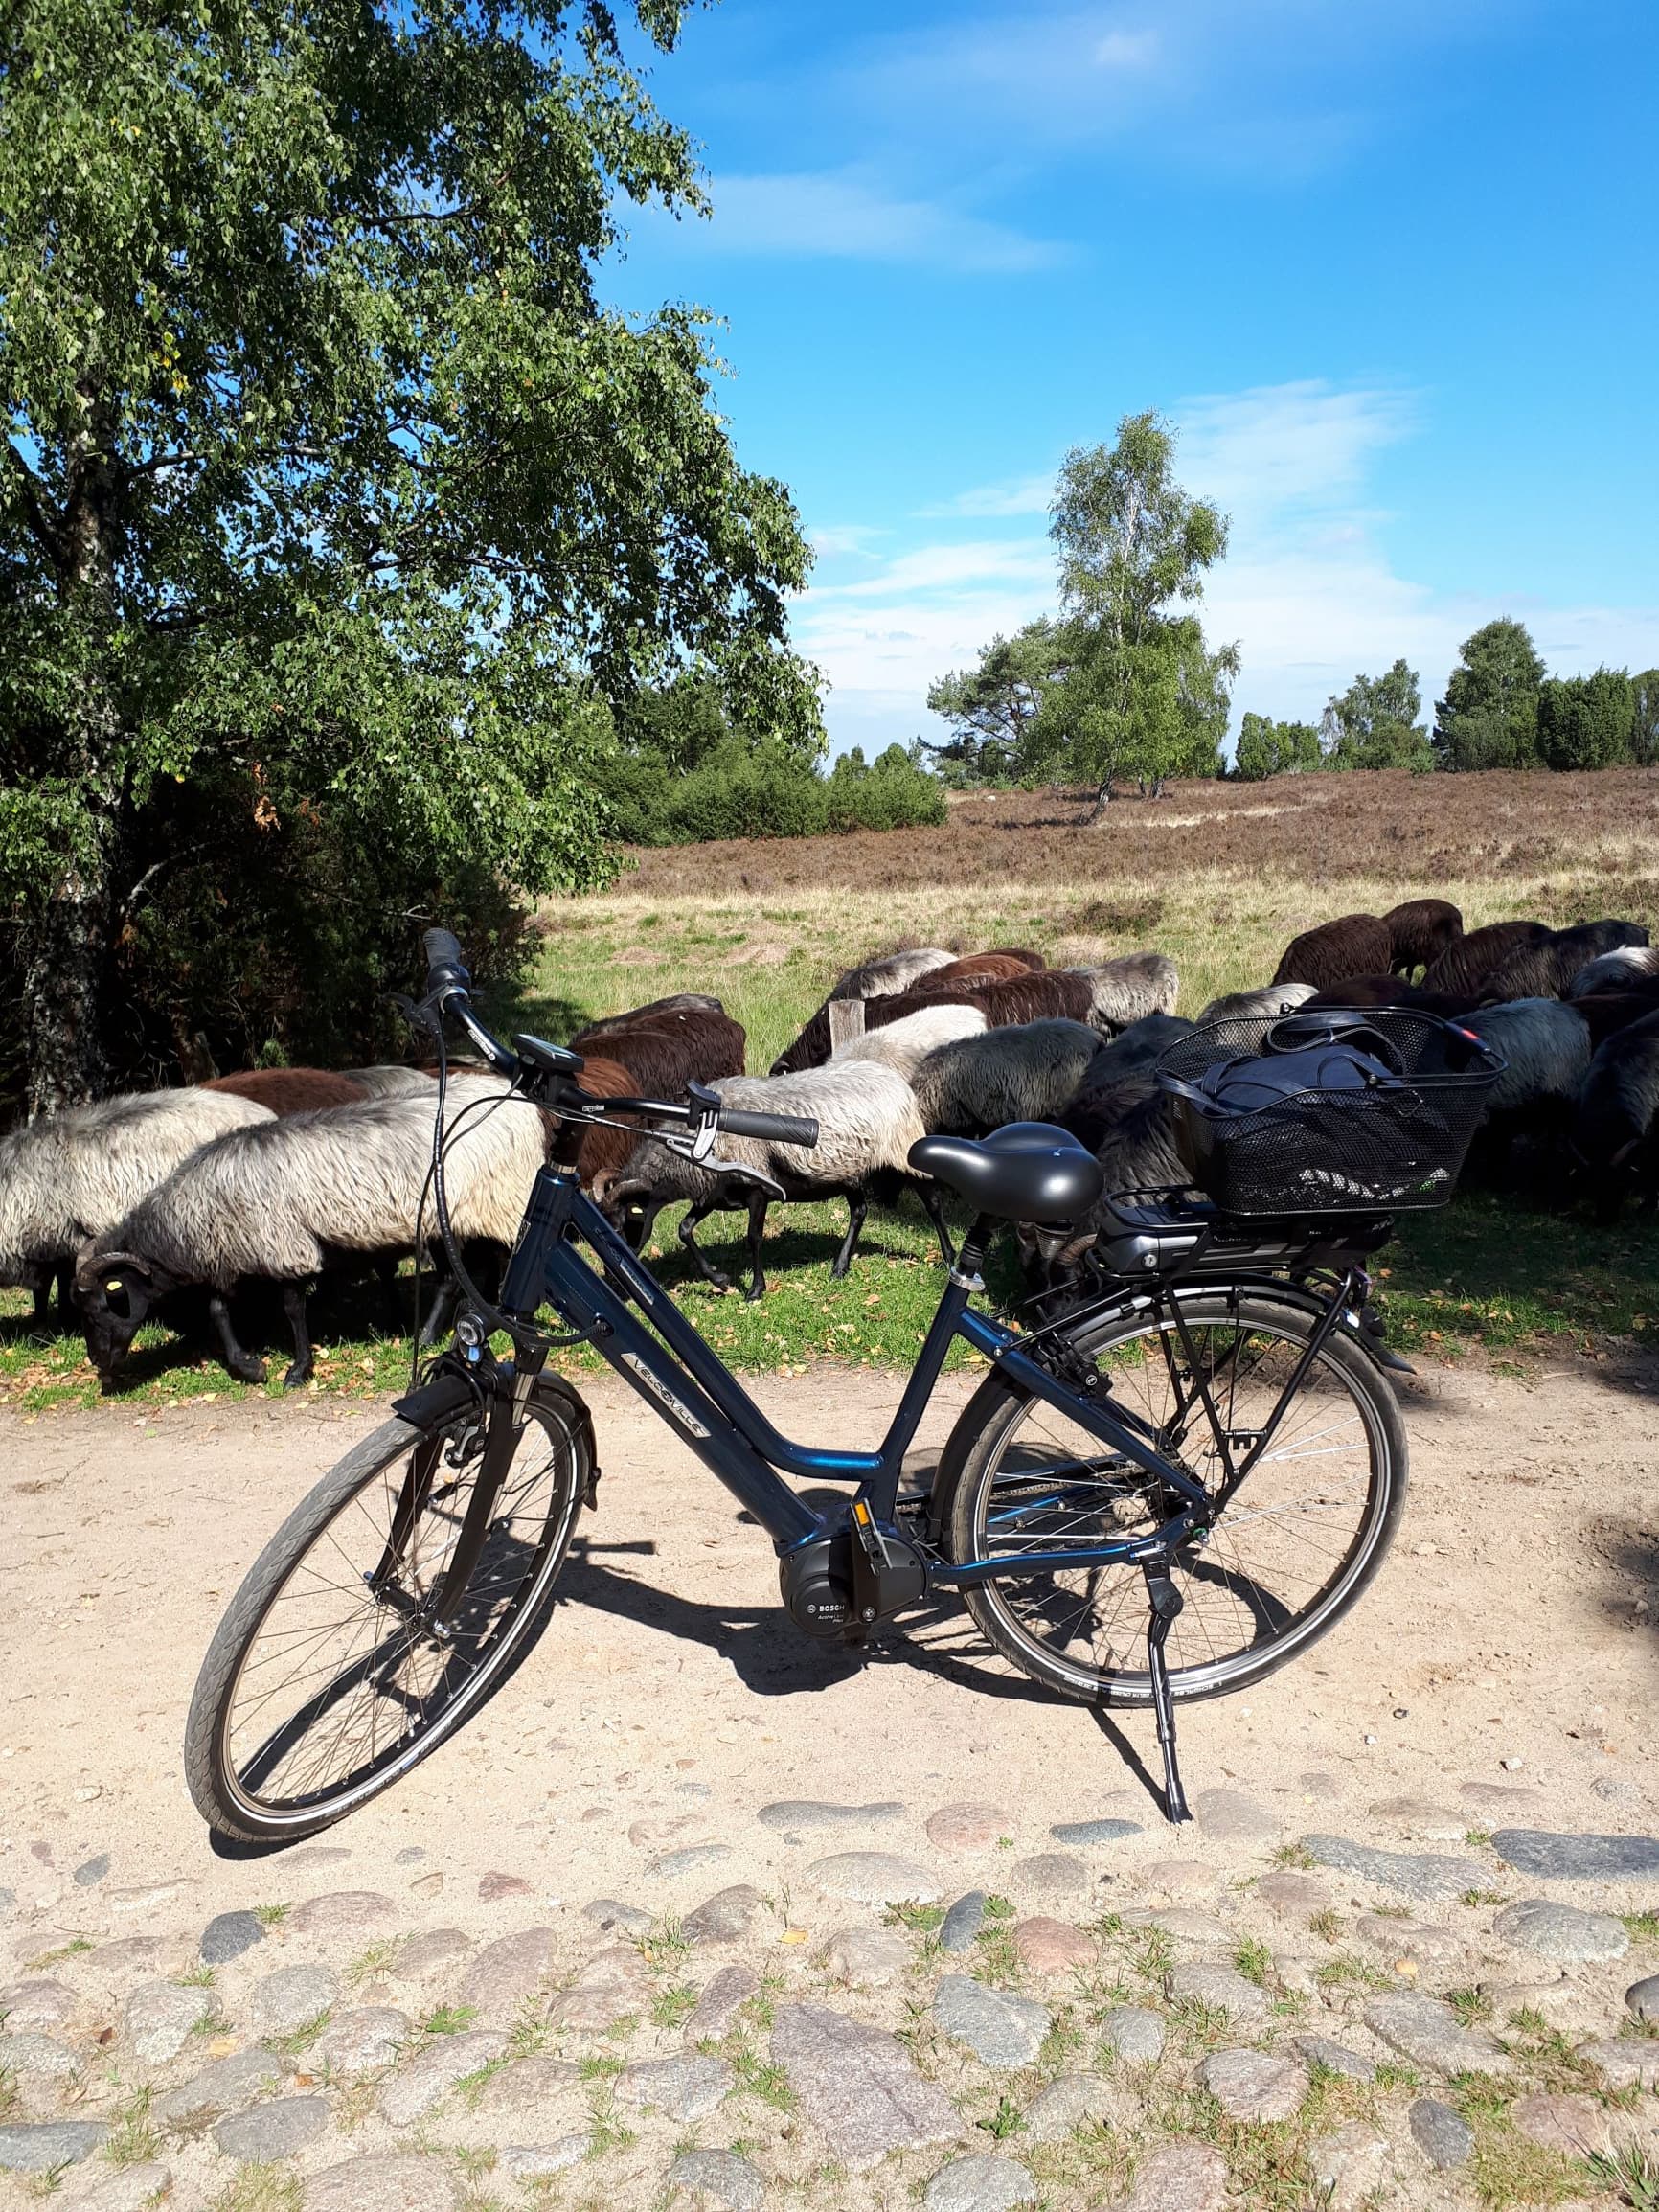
(772,1128)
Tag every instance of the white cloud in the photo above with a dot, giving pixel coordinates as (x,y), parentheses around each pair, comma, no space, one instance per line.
(1305,445)
(1126,50)
(849,215)
(1018,495)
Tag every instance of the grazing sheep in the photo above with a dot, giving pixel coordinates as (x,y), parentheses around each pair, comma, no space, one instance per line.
(892,972)
(1110,995)
(1546,1048)
(292,1090)
(587,1145)
(1247,1005)
(1616,1130)
(67,1177)
(656,1009)
(284,1199)
(904,1044)
(1545,969)
(1352,945)
(973,970)
(1393,990)
(1618,970)
(1463,967)
(867,1122)
(1421,929)
(1130,1128)
(392,1080)
(1607,1011)
(1025,1073)
(1133,1051)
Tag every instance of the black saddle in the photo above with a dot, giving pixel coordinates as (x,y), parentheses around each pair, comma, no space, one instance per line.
(1027,1172)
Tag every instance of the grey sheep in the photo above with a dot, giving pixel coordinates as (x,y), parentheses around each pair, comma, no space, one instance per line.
(1545,967)
(1135,1050)
(392,1080)
(1616,1130)
(67,1177)
(1272,998)
(904,1044)
(1027,1073)
(1130,1128)
(282,1200)
(1614,971)
(867,1122)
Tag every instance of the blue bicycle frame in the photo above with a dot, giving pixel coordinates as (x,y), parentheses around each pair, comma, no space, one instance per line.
(671,1366)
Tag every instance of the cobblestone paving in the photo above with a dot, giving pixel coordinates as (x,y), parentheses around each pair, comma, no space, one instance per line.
(1299,2038)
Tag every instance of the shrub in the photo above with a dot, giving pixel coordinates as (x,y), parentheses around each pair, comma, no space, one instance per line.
(894,793)
(1587,721)
(1270,748)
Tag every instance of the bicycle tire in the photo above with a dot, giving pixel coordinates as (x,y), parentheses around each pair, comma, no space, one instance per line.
(992,1419)
(221,1793)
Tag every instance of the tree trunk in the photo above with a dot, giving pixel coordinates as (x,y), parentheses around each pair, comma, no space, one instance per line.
(1103,799)
(65,951)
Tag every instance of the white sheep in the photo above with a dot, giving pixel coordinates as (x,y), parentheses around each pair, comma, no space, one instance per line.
(1615,971)
(904,1044)
(283,1200)
(1246,1005)
(66,1176)
(1027,1072)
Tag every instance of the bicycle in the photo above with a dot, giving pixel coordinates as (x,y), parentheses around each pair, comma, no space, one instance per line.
(1204,1437)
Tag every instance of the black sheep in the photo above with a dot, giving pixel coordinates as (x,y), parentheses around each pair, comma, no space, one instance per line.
(1464,966)
(1422,930)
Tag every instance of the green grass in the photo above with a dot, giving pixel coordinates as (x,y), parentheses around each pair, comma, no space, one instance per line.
(1490,1271)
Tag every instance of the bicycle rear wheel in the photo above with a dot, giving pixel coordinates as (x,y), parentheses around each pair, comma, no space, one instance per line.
(1288,1554)
(323,1685)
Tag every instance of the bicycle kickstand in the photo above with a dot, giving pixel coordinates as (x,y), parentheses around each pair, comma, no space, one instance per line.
(1164,1600)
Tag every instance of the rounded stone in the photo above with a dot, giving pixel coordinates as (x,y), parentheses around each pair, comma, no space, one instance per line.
(1643,1997)
(874,1877)
(492,1887)
(684,2088)
(1231,1816)
(1350,2164)
(1081,1834)
(225,2087)
(870,1957)
(1208,1982)
(42,2148)
(1056,1878)
(378,2183)
(38,2002)
(1443,2135)
(340,1913)
(506,1972)
(967,1827)
(793,1818)
(1180,2178)
(279,2130)
(1335,2058)
(1561,1931)
(37,2059)
(92,1871)
(160,2018)
(982,2182)
(671,1865)
(1624,2061)
(533,2162)
(1293,1896)
(414,2089)
(608,1913)
(724,1995)
(726,1917)
(962,1922)
(1254,2085)
(719,2177)
(364,2040)
(1577,2127)
(1070,2101)
(999,2028)
(1135,2034)
(228,1935)
(1576,1858)
(1052,1946)
(859,2085)
(291,1998)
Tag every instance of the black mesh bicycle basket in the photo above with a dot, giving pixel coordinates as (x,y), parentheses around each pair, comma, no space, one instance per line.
(1396,1143)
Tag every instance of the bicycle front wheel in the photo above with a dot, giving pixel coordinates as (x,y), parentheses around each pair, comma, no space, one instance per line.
(324,1684)
(1290,1552)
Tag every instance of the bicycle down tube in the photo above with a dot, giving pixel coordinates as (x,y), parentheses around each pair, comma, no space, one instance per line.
(676,1371)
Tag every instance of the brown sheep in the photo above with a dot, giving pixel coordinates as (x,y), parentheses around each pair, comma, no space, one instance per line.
(655,1010)
(1464,966)
(1393,990)
(292,1090)
(1422,930)
(1352,945)
(973,970)
(654,1060)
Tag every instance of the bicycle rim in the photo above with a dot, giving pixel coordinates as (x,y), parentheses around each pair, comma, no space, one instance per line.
(338,1691)
(1283,1560)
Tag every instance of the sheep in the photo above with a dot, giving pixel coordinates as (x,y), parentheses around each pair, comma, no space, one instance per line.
(659,1057)
(1273,998)
(867,1122)
(1110,997)
(1464,966)
(1614,1129)
(282,1199)
(1133,1051)
(292,1090)
(971,971)
(1421,929)
(1546,1048)
(1352,945)
(891,972)
(904,1044)
(67,1177)
(656,1009)
(1393,990)
(1130,1128)
(1545,967)
(392,1080)
(1025,1073)
(1616,970)
(1607,1011)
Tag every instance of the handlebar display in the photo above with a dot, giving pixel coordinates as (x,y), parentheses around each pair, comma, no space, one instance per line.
(771,1129)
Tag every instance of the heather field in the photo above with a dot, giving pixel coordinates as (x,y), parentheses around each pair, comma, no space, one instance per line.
(1219,876)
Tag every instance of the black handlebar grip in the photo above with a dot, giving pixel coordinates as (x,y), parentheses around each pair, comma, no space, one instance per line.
(443,950)
(771,1129)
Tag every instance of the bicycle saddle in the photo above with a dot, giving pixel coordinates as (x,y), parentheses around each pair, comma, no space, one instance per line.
(1026,1171)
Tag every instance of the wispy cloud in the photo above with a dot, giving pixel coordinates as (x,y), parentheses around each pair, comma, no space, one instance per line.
(1283,448)
(1019,495)
(850,214)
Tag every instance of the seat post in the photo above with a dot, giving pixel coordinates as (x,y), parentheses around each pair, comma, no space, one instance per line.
(971,1252)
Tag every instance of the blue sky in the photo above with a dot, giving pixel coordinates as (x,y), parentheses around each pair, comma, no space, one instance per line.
(1388,265)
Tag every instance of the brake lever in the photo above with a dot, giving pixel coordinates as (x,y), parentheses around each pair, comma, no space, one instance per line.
(420,1014)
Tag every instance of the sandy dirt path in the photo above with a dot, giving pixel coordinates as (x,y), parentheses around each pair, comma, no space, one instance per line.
(1515,1621)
